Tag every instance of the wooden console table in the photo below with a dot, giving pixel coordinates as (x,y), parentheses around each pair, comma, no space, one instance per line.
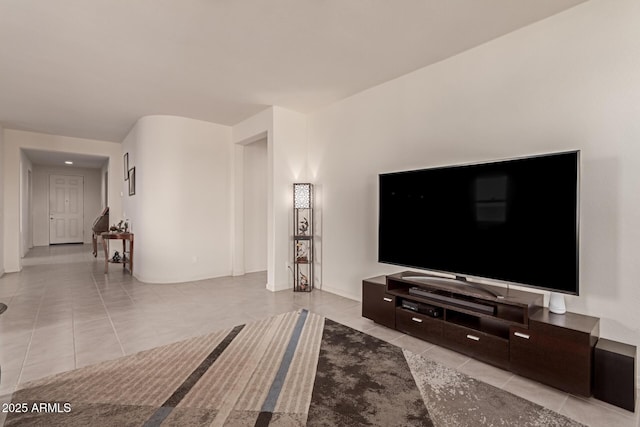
(118,236)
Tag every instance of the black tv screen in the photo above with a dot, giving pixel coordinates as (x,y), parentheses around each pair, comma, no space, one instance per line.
(514,221)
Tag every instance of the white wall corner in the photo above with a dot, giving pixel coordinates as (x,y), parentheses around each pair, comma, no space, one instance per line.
(237,210)
(253,129)
(2,190)
(290,154)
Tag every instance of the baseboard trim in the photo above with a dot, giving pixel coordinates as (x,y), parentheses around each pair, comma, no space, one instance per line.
(339,292)
(155,280)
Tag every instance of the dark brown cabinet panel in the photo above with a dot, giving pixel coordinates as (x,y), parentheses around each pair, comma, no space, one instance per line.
(556,350)
(481,346)
(377,305)
(419,325)
(614,373)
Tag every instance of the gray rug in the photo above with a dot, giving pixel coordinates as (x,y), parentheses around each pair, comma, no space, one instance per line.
(294,369)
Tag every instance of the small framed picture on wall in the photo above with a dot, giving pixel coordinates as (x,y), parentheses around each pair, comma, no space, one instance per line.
(132,181)
(126,166)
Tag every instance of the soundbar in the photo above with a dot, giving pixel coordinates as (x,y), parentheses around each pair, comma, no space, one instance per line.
(457,281)
(482,308)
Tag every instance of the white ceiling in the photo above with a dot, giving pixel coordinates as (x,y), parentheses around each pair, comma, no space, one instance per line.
(54,158)
(91,68)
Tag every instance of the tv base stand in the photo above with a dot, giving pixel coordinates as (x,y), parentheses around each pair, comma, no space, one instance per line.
(513,332)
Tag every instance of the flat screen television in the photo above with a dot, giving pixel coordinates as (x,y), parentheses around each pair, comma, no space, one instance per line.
(514,221)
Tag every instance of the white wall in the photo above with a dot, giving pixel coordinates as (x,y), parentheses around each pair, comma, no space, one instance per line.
(26,237)
(569,82)
(92,204)
(253,129)
(286,133)
(14,141)
(1,200)
(289,163)
(104,186)
(181,213)
(255,206)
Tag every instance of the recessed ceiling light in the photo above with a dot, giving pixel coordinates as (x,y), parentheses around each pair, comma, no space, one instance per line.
(68,162)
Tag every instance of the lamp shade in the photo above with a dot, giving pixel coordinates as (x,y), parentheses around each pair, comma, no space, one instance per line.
(302,196)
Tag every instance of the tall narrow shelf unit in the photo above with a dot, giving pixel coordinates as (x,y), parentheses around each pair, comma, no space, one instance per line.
(302,237)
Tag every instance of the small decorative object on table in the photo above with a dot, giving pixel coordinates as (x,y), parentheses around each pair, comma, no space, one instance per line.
(120,228)
(116,257)
(127,256)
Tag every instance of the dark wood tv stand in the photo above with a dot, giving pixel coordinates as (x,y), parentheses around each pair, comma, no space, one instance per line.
(512,331)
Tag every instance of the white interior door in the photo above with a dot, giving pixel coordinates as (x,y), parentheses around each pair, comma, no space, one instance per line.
(66,209)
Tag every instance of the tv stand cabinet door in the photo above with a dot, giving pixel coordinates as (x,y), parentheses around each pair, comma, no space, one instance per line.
(556,361)
(479,345)
(419,325)
(377,305)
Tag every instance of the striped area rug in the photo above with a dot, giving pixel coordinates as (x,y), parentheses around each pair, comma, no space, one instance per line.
(293,369)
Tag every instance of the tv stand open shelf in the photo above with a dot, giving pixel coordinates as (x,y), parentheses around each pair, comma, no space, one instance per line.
(511,330)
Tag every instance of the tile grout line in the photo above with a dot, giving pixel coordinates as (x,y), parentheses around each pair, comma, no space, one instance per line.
(73,321)
(605,406)
(507,381)
(95,283)
(396,339)
(566,399)
(33,331)
(457,368)
(73,331)
(134,303)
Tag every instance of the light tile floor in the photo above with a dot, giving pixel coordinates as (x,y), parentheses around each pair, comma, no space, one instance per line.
(65,313)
